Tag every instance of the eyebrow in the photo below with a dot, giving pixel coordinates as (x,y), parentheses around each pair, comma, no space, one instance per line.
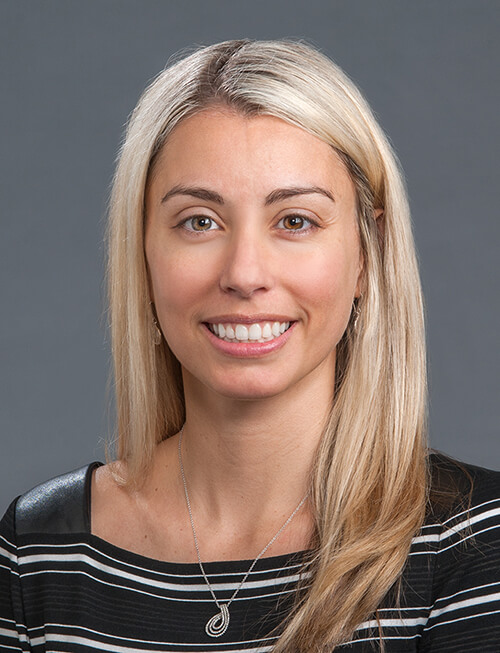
(275,196)
(194,191)
(284,193)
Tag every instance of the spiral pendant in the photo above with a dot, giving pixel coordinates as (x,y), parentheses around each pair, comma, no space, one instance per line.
(218,624)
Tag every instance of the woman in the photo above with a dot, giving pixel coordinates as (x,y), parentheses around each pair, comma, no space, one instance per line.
(272,489)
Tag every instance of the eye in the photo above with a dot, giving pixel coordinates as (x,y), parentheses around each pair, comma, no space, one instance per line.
(199,223)
(295,222)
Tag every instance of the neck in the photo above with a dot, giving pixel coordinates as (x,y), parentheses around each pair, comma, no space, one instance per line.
(251,460)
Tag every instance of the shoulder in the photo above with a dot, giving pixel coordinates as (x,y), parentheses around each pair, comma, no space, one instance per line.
(457,487)
(464,518)
(461,543)
(58,506)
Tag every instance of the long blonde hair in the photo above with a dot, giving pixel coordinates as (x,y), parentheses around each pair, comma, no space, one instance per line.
(369,479)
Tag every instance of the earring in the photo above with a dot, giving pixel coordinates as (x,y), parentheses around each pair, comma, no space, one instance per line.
(356,312)
(156,333)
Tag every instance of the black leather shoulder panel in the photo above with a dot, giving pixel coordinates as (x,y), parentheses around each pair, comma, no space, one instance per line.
(58,506)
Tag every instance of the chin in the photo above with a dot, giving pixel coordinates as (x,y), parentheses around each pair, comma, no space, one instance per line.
(248,391)
(246,395)
(235,386)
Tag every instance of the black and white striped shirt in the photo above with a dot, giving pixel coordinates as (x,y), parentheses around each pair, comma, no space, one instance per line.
(74,592)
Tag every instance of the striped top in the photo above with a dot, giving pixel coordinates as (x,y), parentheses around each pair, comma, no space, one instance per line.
(76,592)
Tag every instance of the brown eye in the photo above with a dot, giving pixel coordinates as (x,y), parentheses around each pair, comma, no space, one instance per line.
(294,222)
(199,223)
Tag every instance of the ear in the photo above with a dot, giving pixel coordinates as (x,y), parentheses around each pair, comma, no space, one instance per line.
(378,216)
(146,264)
(360,284)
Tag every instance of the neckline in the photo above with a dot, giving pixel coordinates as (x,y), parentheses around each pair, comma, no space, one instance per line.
(282,561)
(127,556)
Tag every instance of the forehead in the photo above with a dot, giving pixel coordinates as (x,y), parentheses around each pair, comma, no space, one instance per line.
(220,147)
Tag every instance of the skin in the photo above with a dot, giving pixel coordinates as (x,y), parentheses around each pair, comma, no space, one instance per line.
(241,250)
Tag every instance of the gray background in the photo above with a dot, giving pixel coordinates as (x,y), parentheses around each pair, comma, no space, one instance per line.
(72,71)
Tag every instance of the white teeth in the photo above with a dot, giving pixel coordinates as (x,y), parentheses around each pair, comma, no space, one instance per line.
(241,332)
(255,332)
(276,329)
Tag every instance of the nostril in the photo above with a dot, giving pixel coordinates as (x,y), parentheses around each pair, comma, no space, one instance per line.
(246,269)
(244,287)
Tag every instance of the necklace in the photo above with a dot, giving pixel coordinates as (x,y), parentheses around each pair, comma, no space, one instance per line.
(219,623)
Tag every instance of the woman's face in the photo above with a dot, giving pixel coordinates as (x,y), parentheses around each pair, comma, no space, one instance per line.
(253,253)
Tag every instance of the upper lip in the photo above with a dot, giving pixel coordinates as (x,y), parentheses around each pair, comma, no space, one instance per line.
(247,319)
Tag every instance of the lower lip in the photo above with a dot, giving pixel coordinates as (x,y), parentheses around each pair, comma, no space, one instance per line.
(249,349)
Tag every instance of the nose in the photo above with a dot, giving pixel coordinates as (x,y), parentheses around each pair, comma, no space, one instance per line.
(247,265)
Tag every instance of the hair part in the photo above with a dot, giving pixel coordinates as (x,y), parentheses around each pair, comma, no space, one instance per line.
(369,482)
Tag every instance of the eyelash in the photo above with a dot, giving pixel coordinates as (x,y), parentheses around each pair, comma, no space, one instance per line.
(308,223)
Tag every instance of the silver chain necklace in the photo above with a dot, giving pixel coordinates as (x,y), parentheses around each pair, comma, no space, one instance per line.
(219,623)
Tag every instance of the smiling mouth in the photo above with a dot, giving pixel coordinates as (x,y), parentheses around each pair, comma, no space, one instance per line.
(255,332)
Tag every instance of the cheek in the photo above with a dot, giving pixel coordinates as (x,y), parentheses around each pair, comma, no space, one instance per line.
(329,281)
(177,281)
(173,294)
